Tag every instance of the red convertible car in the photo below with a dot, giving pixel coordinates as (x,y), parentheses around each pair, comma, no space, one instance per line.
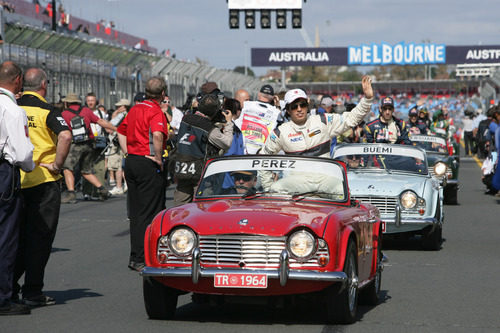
(266,227)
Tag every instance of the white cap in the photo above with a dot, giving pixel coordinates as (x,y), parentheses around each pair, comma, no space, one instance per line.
(292,95)
(326,101)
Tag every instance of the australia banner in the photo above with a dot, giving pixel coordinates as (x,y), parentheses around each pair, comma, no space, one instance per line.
(376,55)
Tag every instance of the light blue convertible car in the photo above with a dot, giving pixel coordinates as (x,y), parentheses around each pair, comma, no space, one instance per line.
(395,179)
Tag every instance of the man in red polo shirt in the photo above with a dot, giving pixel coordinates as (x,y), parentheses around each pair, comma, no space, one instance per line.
(142,136)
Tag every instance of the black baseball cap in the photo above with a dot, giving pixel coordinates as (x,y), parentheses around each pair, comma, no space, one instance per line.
(267,89)
(139,97)
(387,101)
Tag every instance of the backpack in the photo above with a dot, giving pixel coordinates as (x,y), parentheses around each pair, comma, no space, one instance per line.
(78,128)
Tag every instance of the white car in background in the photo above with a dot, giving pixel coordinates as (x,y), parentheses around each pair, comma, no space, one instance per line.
(396,179)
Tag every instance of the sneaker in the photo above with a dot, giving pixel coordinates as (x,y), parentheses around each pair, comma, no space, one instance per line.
(116,191)
(14,309)
(41,300)
(68,197)
(103,193)
(125,188)
(136,266)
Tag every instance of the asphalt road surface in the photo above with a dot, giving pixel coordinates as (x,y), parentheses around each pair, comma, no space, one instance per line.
(451,290)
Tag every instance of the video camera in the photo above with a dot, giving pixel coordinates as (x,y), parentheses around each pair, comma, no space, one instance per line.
(211,109)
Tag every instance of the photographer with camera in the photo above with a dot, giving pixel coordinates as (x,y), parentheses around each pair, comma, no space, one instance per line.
(199,139)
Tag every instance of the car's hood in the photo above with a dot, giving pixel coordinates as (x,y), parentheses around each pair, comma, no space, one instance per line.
(254,216)
(433,158)
(384,184)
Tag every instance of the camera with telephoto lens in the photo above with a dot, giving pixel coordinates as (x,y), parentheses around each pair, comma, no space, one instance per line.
(212,105)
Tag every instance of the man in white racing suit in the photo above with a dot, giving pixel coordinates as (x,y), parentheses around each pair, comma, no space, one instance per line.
(310,135)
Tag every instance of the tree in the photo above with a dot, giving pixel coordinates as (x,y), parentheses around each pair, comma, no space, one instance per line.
(241,69)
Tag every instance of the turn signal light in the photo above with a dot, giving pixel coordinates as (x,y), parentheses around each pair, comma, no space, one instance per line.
(163,257)
(323,261)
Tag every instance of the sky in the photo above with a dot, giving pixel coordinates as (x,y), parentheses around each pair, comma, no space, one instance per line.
(199,28)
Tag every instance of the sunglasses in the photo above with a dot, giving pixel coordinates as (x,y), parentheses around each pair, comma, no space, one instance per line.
(245,178)
(165,102)
(387,108)
(295,106)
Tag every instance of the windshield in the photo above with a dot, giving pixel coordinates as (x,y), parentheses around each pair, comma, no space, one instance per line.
(251,177)
(382,157)
(430,143)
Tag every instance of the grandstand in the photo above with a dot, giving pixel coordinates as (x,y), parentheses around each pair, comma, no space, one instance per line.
(94,57)
(38,15)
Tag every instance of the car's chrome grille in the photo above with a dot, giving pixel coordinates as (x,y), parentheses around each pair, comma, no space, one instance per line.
(385,205)
(244,250)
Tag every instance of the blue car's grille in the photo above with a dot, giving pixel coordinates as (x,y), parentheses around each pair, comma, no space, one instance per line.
(385,205)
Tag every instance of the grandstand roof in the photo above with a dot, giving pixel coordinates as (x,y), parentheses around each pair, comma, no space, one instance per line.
(29,13)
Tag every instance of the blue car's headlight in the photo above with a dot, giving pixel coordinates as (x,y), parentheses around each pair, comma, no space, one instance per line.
(408,199)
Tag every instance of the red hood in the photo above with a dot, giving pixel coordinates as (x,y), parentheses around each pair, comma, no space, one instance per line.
(274,218)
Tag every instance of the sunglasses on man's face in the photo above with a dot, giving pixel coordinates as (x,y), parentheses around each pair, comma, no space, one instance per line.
(245,178)
(295,106)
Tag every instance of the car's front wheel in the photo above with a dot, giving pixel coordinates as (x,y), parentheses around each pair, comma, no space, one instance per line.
(432,239)
(342,307)
(160,301)
(370,295)
(451,196)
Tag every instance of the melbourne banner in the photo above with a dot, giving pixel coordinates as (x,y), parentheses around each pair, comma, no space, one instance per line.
(377,54)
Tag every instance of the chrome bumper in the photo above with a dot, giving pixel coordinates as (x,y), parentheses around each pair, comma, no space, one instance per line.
(403,224)
(283,273)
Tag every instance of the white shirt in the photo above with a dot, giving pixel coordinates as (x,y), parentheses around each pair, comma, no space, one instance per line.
(96,129)
(176,119)
(468,124)
(14,137)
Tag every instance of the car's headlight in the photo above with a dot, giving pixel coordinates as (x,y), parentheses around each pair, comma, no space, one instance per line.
(182,241)
(301,244)
(440,169)
(408,199)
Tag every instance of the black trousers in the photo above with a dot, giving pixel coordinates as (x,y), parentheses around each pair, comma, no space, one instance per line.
(469,142)
(146,198)
(10,208)
(38,229)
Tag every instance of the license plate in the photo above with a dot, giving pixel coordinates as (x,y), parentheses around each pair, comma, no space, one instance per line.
(383,226)
(240,281)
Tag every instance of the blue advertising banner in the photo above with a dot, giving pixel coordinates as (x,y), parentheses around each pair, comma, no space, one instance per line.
(318,56)
(376,55)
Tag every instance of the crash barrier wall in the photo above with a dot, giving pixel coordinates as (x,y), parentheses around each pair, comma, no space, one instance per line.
(76,74)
